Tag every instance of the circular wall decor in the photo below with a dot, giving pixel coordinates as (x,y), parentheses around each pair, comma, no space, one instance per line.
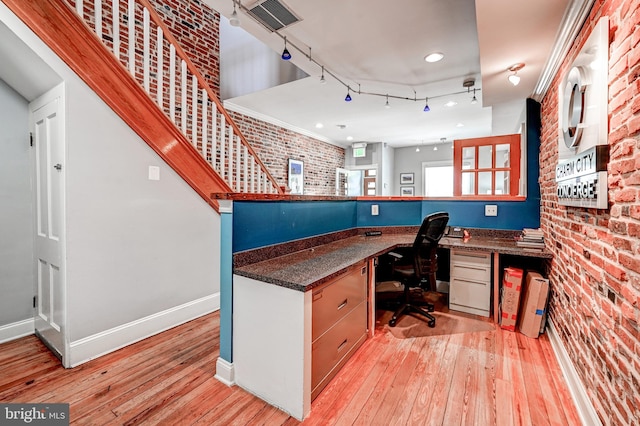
(574,107)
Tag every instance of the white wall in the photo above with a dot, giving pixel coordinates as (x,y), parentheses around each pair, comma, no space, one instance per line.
(407,160)
(139,252)
(17,283)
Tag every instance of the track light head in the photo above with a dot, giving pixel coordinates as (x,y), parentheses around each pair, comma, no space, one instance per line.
(234,20)
(285,53)
(348,97)
(426,105)
(387,105)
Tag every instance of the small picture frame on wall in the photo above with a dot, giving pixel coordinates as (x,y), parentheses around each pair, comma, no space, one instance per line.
(406,178)
(407,191)
(296,176)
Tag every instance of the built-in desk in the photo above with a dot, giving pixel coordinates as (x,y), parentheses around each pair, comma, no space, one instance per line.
(273,304)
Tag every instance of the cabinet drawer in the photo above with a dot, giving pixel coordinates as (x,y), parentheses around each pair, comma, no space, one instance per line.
(334,347)
(471,272)
(337,298)
(469,293)
(471,258)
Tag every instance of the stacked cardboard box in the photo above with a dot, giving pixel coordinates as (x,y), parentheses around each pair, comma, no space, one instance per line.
(510,297)
(534,304)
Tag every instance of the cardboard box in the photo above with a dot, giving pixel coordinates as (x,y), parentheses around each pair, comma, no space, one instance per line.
(534,304)
(510,297)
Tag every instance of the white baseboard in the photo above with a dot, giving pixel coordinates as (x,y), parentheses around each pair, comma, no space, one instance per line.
(587,413)
(16,330)
(225,372)
(91,347)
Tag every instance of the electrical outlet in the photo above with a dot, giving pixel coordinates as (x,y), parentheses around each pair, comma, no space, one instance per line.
(374,210)
(490,210)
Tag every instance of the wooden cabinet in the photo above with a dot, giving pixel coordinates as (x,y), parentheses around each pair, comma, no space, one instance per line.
(339,324)
(470,282)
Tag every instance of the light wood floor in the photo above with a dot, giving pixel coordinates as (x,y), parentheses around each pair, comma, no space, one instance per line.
(468,373)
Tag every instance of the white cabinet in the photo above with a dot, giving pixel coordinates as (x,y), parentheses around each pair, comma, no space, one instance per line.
(470,282)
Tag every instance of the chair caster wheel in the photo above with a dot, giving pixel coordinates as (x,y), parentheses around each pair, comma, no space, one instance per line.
(431,324)
(392,323)
(430,308)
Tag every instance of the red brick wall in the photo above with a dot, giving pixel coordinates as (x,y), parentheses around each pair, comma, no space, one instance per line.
(595,275)
(275,145)
(197,28)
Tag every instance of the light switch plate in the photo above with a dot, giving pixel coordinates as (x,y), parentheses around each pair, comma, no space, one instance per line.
(154,173)
(490,210)
(374,210)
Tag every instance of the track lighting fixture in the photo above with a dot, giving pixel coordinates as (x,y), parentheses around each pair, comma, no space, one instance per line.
(322,80)
(426,105)
(515,78)
(348,97)
(474,100)
(234,20)
(285,53)
(386,105)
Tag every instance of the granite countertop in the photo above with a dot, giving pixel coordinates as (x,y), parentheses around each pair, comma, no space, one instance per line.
(306,269)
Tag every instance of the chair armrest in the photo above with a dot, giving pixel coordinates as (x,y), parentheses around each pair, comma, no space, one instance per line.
(396,256)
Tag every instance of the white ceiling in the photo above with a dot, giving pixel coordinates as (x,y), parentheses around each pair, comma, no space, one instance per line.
(378,46)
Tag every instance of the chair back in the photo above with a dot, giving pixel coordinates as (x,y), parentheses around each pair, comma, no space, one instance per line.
(426,243)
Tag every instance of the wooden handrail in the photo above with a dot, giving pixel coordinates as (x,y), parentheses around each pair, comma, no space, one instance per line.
(203,83)
(79,47)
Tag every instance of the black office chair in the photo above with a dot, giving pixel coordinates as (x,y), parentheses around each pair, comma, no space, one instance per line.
(417,268)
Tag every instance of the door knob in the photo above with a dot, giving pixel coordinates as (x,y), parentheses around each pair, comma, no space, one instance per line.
(58,167)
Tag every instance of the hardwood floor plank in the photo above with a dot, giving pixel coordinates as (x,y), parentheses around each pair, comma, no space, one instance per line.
(386,390)
(535,396)
(513,364)
(368,387)
(554,372)
(432,352)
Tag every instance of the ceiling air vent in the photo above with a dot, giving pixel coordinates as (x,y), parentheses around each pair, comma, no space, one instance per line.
(273,14)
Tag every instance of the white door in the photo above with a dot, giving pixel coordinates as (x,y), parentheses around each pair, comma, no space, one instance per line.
(47,128)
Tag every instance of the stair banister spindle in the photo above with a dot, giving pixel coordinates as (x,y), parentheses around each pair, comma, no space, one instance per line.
(245,164)
(205,133)
(172,83)
(183,96)
(115,13)
(80,8)
(194,111)
(252,175)
(223,133)
(146,49)
(238,163)
(214,131)
(160,85)
(131,16)
(230,157)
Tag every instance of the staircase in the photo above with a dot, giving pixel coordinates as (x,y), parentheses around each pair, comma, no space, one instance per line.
(151,59)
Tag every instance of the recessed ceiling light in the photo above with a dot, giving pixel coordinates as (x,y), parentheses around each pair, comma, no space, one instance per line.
(459,125)
(319,125)
(434,57)
(450,104)
(349,138)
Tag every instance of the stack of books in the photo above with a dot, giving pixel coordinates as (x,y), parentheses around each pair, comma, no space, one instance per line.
(531,239)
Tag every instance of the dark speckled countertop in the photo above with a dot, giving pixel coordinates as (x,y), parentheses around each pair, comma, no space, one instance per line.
(309,268)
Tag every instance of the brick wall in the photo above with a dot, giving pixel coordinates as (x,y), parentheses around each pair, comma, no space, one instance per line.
(595,275)
(275,145)
(197,28)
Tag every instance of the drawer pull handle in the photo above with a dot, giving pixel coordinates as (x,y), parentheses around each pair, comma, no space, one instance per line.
(363,271)
(343,304)
(317,296)
(342,345)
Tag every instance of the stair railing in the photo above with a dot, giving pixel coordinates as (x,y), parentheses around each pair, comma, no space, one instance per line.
(163,69)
